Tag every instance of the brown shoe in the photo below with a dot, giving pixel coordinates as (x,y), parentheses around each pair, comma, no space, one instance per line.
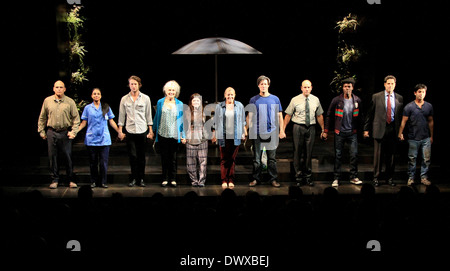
(254,183)
(425,181)
(275,184)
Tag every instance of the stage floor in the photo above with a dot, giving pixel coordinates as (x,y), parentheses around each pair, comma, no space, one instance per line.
(207,191)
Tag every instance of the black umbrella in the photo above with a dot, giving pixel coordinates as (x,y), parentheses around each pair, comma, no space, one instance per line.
(216,46)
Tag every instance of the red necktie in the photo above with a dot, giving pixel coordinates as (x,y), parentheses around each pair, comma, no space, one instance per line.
(388,111)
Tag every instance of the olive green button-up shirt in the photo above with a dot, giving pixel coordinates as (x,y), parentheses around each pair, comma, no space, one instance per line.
(58,114)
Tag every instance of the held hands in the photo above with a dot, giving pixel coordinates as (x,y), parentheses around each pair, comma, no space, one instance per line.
(324,136)
(121,136)
(282,135)
(150,135)
(366,134)
(71,135)
(183,140)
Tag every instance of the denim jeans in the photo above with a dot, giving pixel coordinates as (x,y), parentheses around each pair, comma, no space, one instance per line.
(271,159)
(416,146)
(339,142)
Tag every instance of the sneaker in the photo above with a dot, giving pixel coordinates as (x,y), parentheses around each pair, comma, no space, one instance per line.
(224,185)
(173,183)
(425,181)
(356,181)
(410,181)
(73,185)
(275,184)
(53,185)
(335,183)
(254,183)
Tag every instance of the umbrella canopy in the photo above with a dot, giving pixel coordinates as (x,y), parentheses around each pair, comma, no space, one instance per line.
(216,46)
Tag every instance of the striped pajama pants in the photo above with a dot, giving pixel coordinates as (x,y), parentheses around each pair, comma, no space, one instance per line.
(196,162)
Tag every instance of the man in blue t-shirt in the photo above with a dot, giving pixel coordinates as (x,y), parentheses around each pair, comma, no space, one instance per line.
(264,130)
(419,116)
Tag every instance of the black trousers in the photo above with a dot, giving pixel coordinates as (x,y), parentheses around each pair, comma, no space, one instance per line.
(136,154)
(303,146)
(384,152)
(59,142)
(98,163)
(169,148)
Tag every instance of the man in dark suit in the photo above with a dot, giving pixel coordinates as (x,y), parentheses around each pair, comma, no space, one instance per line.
(384,118)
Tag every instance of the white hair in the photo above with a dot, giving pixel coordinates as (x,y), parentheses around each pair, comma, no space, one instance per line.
(172,84)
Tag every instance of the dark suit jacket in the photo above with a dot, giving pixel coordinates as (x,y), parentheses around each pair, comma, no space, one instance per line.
(376,116)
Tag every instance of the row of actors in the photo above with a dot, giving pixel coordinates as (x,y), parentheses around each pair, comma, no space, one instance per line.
(59,123)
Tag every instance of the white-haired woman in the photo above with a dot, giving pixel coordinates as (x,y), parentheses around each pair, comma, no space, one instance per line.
(168,128)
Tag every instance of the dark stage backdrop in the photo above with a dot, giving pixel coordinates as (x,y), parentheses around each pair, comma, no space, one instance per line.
(298,41)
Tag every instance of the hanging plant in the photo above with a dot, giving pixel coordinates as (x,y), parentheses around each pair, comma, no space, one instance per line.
(349,23)
(347,54)
(77,52)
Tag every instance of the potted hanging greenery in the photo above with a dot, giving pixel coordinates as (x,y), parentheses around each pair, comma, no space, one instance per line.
(77,51)
(347,53)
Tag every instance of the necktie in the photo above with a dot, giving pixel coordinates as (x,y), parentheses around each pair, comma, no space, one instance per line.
(307,118)
(388,110)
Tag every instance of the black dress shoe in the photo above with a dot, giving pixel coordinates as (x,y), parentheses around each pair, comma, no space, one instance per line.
(132,183)
(376,183)
(391,182)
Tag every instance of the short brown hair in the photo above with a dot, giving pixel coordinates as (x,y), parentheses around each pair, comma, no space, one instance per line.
(262,78)
(390,77)
(137,79)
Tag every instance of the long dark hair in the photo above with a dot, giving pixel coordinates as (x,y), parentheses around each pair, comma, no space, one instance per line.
(105,106)
(195,95)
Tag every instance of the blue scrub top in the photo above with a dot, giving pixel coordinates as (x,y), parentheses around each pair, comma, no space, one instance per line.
(97,133)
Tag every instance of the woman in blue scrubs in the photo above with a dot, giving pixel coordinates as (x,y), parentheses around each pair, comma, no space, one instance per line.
(98,139)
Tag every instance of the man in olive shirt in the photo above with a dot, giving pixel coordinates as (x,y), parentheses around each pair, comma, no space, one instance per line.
(60,116)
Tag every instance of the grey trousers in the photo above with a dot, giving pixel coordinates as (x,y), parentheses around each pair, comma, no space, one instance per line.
(196,162)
